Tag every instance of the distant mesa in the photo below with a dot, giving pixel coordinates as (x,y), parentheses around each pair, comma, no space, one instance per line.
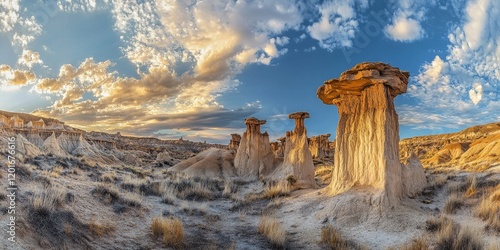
(366,151)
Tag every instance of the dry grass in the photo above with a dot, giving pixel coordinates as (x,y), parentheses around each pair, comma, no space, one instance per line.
(279,190)
(229,188)
(108,177)
(416,244)
(132,199)
(100,229)
(453,203)
(133,184)
(435,223)
(472,190)
(273,230)
(333,238)
(197,192)
(171,230)
(489,209)
(324,173)
(452,236)
(47,199)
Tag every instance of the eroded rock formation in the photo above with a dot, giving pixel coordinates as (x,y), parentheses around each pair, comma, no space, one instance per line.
(319,146)
(298,158)
(234,143)
(254,158)
(366,151)
(211,163)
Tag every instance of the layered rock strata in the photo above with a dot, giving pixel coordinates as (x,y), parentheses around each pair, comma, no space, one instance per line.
(297,156)
(254,157)
(366,151)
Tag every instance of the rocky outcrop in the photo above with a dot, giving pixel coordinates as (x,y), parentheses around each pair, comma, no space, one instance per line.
(254,157)
(414,179)
(51,146)
(212,163)
(26,149)
(366,151)
(319,146)
(298,158)
(476,148)
(234,143)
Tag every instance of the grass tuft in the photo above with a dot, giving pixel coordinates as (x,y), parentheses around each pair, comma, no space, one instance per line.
(273,230)
(170,229)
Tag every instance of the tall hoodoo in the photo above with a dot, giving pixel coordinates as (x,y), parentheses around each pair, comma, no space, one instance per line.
(234,143)
(297,154)
(366,151)
(254,158)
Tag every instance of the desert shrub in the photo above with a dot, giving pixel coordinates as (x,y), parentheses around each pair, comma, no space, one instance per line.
(472,189)
(108,177)
(47,200)
(279,190)
(107,193)
(291,179)
(171,230)
(193,211)
(197,192)
(436,223)
(100,229)
(272,229)
(452,236)
(489,210)
(453,203)
(333,238)
(469,240)
(416,244)
(131,199)
(229,188)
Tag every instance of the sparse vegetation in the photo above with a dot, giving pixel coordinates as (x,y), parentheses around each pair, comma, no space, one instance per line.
(453,203)
(108,177)
(100,229)
(333,238)
(229,188)
(47,200)
(452,236)
(489,209)
(272,229)
(279,190)
(416,244)
(170,229)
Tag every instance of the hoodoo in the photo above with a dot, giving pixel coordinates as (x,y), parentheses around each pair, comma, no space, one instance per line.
(297,154)
(254,157)
(366,152)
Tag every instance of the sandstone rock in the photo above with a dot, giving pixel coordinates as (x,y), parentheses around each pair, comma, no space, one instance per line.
(25,148)
(414,179)
(163,156)
(366,151)
(234,143)
(51,146)
(319,146)
(212,163)
(297,157)
(254,158)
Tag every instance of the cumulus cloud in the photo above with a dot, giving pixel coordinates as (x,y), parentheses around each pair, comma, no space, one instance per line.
(15,77)
(405,24)
(338,23)
(476,93)
(405,29)
(464,86)
(29,58)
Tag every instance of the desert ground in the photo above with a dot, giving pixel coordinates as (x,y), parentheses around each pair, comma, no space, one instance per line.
(75,189)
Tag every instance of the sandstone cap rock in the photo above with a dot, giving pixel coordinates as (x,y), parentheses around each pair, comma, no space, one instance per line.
(361,76)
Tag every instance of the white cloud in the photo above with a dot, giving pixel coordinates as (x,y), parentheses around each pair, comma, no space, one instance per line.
(406,23)
(476,93)
(29,58)
(405,29)
(338,23)
(9,15)
(463,87)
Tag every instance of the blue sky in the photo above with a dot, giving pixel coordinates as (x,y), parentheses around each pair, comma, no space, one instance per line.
(197,68)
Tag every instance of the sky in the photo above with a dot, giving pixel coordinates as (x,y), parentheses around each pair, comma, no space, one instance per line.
(197,69)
